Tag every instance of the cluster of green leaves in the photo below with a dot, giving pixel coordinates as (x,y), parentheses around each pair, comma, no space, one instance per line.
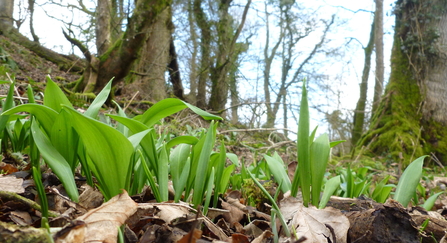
(313,155)
(126,154)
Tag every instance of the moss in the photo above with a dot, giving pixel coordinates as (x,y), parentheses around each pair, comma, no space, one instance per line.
(398,129)
(395,127)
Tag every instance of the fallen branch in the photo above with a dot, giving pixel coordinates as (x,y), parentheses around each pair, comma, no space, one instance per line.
(11,196)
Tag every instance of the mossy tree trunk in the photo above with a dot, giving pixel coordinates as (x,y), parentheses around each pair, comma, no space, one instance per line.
(148,75)
(411,120)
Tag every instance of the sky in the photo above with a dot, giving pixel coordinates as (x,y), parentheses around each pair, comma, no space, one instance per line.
(344,76)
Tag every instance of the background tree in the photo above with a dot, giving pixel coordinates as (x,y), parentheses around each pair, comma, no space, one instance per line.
(378,43)
(360,109)
(410,120)
(148,72)
(6,12)
(294,28)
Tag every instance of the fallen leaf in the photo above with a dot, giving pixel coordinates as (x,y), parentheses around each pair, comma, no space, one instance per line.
(317,225)
(191,237)
(239,238)
(7,168)
(21,217)
(101,224)
(11,184)
(235,214)
(90,198)
(266,236)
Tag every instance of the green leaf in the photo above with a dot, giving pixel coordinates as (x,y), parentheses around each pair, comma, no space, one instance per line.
(329,189)
(202,165)
(120,127)
(6,105)
(65,139)
(178,162)
(96,105)
(303,168)
(163,174)
(276,166)
(209,192)
(409,181)
(45,115)
(335,143)
(150,178)
(226,178)
(135,139)
(233,158)
(319,157)
(169,106)
(181,139)
(55,161)
(430,202)
(109,150)
(54,97)
(30,94)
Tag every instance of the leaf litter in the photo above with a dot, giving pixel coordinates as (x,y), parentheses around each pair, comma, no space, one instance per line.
(91,220)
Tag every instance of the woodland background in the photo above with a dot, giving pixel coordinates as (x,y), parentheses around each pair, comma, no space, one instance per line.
(246,61)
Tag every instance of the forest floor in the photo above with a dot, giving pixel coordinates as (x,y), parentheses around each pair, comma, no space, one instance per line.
(233,220)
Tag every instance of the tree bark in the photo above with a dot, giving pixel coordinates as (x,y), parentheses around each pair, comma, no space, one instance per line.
(117,61)
(226,57)
(205,50)
(410,120)
(174,71)
(6,13)
(103,26)
(360,109)
(149,70)
(378,42)
(193,73)
(31,4)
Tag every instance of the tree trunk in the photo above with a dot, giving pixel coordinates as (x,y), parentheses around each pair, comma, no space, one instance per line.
(149,70)
(31,4)
(378,42)
(174,71)
(410,120)
(102,26)
(205,50)
(360,109)
(118,60)
(193,73)
(6,11)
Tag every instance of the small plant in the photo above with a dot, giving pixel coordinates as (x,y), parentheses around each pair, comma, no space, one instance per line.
(313,156)
(123,156)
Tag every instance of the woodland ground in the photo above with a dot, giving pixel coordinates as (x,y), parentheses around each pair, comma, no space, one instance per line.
(345,220)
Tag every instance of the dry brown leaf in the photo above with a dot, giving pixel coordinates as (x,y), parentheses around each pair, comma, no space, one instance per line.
(239,238)
(234,215)
(191,237)
(90,198)
(264,237)
(101,224)
(317,225)
(21,217)
(256,228)
(11,184)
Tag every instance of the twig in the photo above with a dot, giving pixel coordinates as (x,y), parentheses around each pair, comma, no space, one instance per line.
(21,98)
(278,145)
(257,129)
(130,101)
(10,196)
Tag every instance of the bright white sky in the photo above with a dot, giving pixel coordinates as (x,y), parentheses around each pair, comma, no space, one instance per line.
(357,26)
